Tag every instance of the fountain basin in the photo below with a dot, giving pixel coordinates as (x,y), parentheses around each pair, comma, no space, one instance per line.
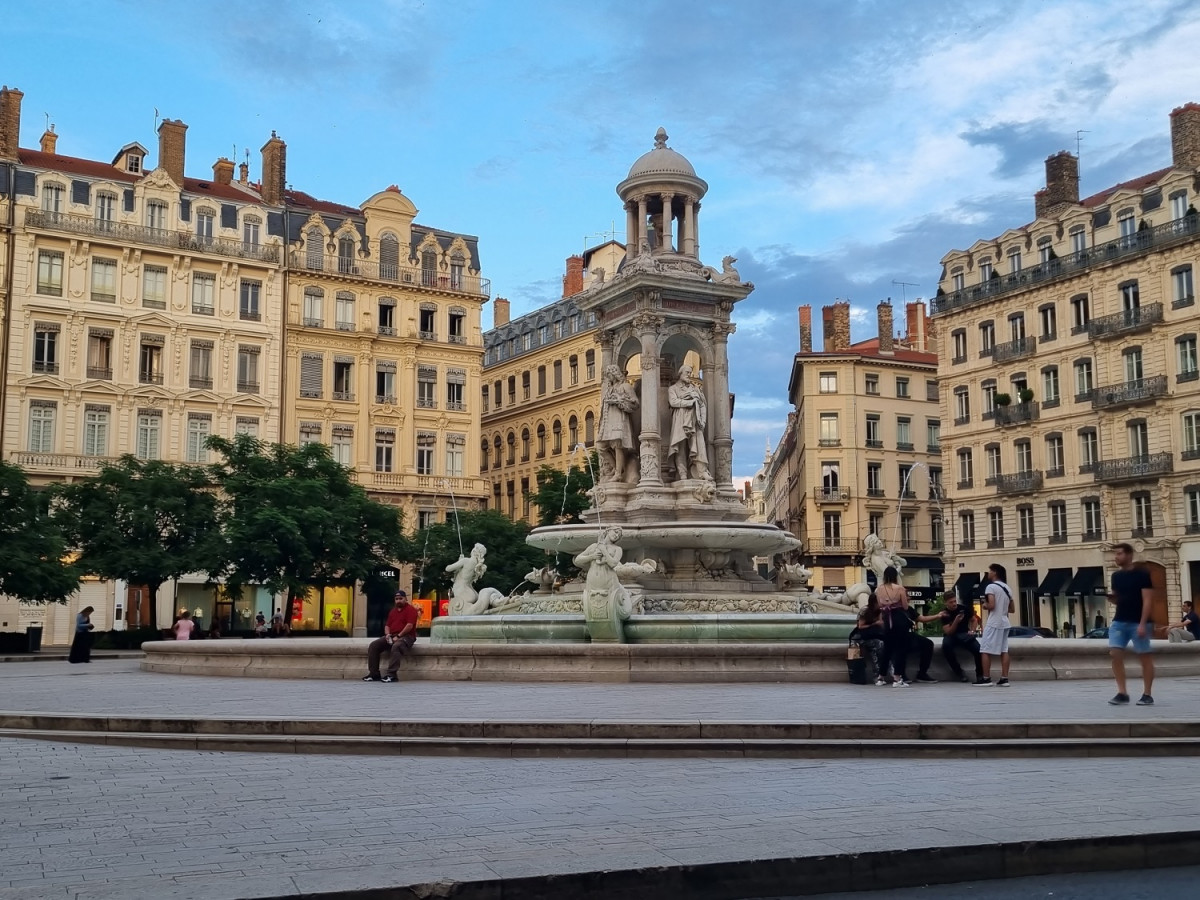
(748,537)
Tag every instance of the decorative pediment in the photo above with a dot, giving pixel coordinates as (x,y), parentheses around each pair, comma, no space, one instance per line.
(153,320)
(149,392)
(159,179)
(48,382)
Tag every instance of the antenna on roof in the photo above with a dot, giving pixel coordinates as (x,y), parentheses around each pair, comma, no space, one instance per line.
(605,236)
(49,126)
(1078,144)
(156,120)
(902,285)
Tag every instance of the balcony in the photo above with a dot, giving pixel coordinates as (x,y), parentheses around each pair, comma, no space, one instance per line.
(1133,468)
(60,462)
(966,484)
(248,387)
(343,395)
(344,326)
(427,335)
(1130,393)
(962,420)
(874,444)
(385,398)
(455,405)
(906,446)
(876,493)
(832,545)
(829,442)
(199,383)
(831,495)
(1019,483)
(1129,321)
(429,403)
(1018,413)
(313,323)
(908,495)
(45,368)
(100,373)
(150,377)
(1179,231)
(247,315)
(458,338)
(387,330)
(966,545)
(122,233)
(413,276)
(1018,349)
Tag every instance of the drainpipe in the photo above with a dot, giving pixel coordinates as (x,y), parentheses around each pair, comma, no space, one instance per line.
(10,227)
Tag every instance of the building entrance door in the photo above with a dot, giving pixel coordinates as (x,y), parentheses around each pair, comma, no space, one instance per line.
(1027,583)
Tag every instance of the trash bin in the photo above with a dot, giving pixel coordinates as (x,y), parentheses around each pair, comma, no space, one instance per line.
(34,633)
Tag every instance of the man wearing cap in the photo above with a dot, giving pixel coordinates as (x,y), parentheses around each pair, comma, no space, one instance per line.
(399,635)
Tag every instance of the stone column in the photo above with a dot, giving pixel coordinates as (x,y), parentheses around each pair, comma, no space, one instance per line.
(631,229)
(718,404)
(641,222)
(694,231)
(688,231)
(650,439)
(666,221)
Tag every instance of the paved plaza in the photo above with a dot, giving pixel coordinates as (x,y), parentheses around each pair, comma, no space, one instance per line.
(82,821)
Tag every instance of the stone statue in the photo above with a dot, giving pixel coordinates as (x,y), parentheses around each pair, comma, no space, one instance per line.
(598,275)
(877,557)
(727,275)
(545,578)
(464,599)
(615,438)
(789,575)
(689,418)
(606,602)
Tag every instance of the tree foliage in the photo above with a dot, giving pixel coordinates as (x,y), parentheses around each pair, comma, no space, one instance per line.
(141,521)
(293,518)
(32,546)
(508,560)
(561,497)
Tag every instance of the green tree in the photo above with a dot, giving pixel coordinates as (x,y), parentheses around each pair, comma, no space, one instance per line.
(561,497)
(509,558)
(293,518)
(141,521)
(32,545)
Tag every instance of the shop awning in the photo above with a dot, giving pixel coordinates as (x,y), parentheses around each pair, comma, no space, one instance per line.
(932,563)
(967,585)
(1054,583)
(1088,581)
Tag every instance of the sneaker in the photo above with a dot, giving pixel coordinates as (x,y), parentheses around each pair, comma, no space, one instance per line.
(879,682)
(925,679)
(388,679)
(1146,700)
(1119,700)
(982,682)
(964,679)
(903,682)
(1003,682)
(372,678)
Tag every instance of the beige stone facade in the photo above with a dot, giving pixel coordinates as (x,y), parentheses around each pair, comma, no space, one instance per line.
(862,451)
(541,390)
(1071,391)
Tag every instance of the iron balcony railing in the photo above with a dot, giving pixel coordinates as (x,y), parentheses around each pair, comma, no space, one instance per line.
(1133,468)
(411,276)
(832,495)
(1017,349)
(1126,322)
(1178,231)
(122,232)
(1017,413)
(1128,393)
(1019,482)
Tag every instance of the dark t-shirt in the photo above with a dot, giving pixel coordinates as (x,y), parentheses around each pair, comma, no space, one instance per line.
(964,624)
(1128,585)
(1192,623)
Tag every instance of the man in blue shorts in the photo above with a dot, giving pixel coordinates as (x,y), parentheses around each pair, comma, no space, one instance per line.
(1133,596)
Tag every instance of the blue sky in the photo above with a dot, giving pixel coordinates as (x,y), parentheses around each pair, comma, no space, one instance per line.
(846,144)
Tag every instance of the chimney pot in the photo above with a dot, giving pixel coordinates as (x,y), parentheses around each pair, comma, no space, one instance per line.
(887,334)
(50,141)
(223,171)
(10,122)
(244,172)
(274,171)
(805,328)
(835,324)
(1185,136)
(172,141)
(573,280)
(500,309)
(1062,183)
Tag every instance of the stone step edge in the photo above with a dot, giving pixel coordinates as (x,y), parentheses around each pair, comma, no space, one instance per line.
(631,748)
(605,729)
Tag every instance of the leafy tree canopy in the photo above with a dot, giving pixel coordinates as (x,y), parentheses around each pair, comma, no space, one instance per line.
(32,545)
(508,560)
(561,497)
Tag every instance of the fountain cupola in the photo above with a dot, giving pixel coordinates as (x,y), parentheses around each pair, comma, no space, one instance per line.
(662,203)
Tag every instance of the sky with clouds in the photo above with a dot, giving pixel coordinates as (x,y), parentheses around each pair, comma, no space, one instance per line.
(847,145)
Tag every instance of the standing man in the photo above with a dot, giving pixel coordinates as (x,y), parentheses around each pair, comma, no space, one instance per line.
(1133,595)
(689,418)
(956,632)
(997,599)
(1187,630)
(399,635)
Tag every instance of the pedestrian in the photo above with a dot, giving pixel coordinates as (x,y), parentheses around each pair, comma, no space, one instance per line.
(1189,629)
(997,600)
(956,632)
(184,626)
(260,626)
(81,645)
(399,635)
(279,628)
(1133,595)
(868,634)
(893,603)
(923,647)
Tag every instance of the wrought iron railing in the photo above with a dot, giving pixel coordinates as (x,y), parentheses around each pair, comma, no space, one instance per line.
(1019,482)
(1130,392)
(1126,321)
(1017,349)
(832,495)
(1133,468)
(1017,413)
(410,276)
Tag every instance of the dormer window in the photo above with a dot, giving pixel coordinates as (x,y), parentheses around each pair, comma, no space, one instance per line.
(133,163)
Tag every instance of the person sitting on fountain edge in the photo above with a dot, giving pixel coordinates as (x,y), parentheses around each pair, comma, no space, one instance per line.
(399,635)
(956,632)
(923,646)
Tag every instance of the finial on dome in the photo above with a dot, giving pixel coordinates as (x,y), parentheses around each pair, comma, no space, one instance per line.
(660,139)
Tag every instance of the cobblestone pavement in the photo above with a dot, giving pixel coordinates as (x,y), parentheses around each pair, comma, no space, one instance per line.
(119,686)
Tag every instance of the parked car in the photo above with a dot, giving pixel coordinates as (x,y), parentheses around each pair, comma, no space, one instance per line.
(1029,631)
(1098,633)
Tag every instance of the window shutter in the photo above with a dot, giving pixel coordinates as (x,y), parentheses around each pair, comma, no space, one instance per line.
(455,376)
(275,224)
(185,209)
(81,192)
(129,201)
(228,215)
(311,368)
(25,183)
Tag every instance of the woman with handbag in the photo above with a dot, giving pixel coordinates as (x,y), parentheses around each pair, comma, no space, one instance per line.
(868,634)
(893,605)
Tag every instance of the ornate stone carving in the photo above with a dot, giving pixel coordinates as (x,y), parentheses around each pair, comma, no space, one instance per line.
(647,321)
(727,275)
(616,437)
(464,599)
(689,418)
(606,602)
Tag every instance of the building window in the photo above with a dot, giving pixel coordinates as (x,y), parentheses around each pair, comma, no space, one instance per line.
(150,369)
(104,280)
(343,378)
(1143,517)
(1130,298)
(1058,521)
(1048,320)
(557,432)
(1185,351)
(1181,287)
(45,348)
(1138,438)
(1016,327)
(154,287)
(198,429)
(875,523)
(457,265)
(1080,313)
(874,480)
(933,435)
(456,327)
(988,392)
(966,469)
(1192,501)
(385,445)
(1132,363)
(1050,389)
(525,445)
(1014,262)
(1178,204)
(527,341)
(541,441)
(572,433)
(541,380)
(962,406)
(200,365)
(95,430)
(991,455)
(342,448)
(1125,226)
(1089,450)
(590,361)
(1191,435)
(986,271)
(250,228)
(1078,239)
(1025,525)
(345,248)
(833,530)
(312,375)
(512,389)
(903,477)
(314,307)
(966,529)
(247,370)
(908,531)
(156,215)
(204,224)
(455,383)
(99,354)
(830,436)
(904,433)
(427,387)
(1083,380)
(426,444)
(427,325)
(959,340)
(1092,527)
(937,533)
(512,448)
(344,311)
(828,382)
(872,385)
(385,383)
(497,459)
(956,280)
(995,528)
(456,445)
(1054,456)
(203,292)
(52,197)
(1045,251)
(149,434)
(902,387)
(874,432)
(387,316)
(573,370)
(558,382)
(106,209)
(1024,451)
(41,426)
(589,428)
(50,269)
(248,308)
(525,386)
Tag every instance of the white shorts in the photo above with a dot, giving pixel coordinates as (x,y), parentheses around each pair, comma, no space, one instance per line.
(994,641)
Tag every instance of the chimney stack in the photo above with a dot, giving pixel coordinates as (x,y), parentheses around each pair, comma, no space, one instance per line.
(1062,183)
(573,280)
(887,329)
(916,327)
(50,141)
(244,173)
(1185,136)
(500,309)
(223,171)
(835,326)
(10,122)
(805,328)
(274,171)
(172,139)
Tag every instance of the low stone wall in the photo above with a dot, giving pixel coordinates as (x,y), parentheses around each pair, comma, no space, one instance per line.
(345,658)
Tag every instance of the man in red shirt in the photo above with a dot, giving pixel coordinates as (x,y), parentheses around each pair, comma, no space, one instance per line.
(399,635)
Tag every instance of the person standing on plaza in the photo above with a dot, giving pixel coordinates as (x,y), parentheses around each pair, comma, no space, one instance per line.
(956,632)
(997,600)
(1189,629)
(184,626)
(399,636)
(1133,595)
(81,646)
(893,603)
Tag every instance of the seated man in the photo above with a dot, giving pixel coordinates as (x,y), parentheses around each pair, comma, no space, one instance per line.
(956,631)
(399,636)
(1188,629)
(918,643)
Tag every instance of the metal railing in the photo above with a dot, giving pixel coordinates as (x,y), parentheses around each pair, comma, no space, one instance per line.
(829,442)
(101,373)
(1126,321)
(1129,393)
(196,381)
(45,368)
(343,395)
(1133,468)
(1177,231)
(874,444)
(1017,349)
(1019,483)
(832,495)
(413,276)
(247,387)
(387,330)
(150,377)
(1017,413)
